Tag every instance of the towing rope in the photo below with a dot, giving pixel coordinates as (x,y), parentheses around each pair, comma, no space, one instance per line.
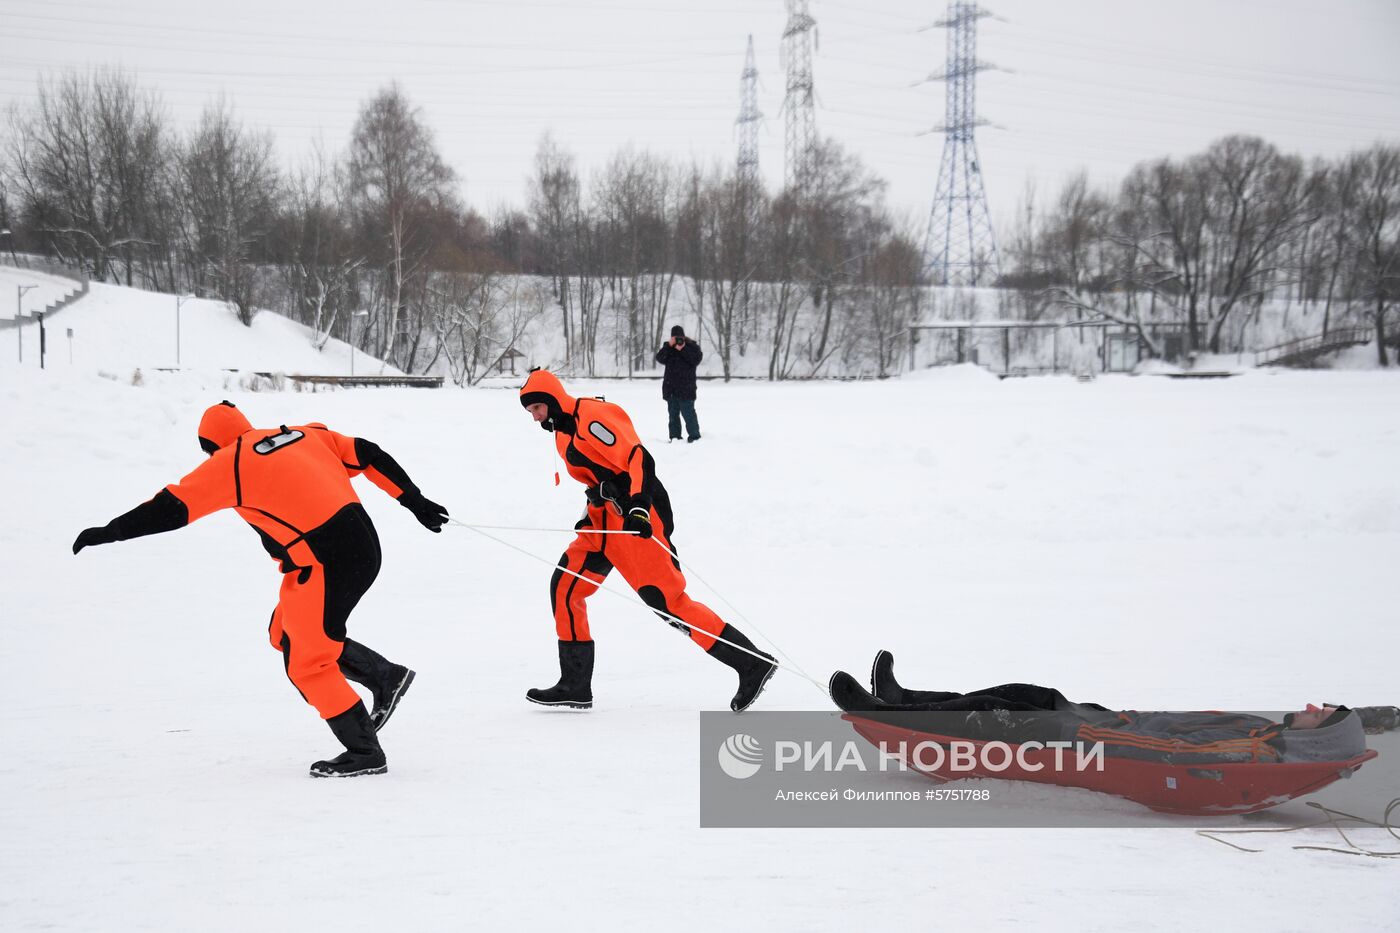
(684,626)
(1333,818)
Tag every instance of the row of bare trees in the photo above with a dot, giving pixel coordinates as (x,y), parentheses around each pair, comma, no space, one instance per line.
(1203,240)
(101,183)
(374,246)
(798,279)
(364,247)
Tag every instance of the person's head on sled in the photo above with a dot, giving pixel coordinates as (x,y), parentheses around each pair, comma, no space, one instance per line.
(543,396)
(1314,717)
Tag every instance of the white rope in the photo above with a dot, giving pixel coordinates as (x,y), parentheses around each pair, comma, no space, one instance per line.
(590,531)
(691,571)
(629,597)
(1334,819)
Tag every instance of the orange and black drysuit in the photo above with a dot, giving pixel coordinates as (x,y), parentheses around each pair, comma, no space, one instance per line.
(601,450)
(292,484)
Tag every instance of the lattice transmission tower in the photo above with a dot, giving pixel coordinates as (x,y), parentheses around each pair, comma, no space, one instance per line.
(749,117)
(799,105)
(750,188)
(961,248)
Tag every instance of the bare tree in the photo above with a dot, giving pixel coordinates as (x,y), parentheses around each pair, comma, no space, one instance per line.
(482,316)
(1259,201)
(1341,185)
(726,258)
(315,249)
(836,202)
(397,179)
(785,291)
(592,247)
(1202,238)
(89,159)
(1375,236)
(554,200)
(891,277)
(228,186)
(1075,232)
(632,199)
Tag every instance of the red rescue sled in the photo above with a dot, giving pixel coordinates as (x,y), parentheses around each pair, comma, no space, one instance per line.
(1192,790)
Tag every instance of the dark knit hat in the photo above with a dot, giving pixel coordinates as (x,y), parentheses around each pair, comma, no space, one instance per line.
(677,331)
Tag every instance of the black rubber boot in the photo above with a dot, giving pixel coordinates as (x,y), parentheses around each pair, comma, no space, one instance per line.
(882,682)
(884,686)
(386,680)
(362,753)
(575,687)
(847,693)
(753,671)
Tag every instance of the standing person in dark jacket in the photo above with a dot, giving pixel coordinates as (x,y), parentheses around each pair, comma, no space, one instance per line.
(680,355)
(293,486)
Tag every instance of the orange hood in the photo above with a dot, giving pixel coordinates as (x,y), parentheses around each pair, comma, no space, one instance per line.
(221,425)
(543,386)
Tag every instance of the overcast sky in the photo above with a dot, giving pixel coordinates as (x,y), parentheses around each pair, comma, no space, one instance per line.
(1097,84)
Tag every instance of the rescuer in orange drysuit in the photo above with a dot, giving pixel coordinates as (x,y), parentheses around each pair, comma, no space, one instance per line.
(293,486)
(601,450)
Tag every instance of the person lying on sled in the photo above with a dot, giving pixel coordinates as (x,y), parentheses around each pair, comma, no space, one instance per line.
(1333,732)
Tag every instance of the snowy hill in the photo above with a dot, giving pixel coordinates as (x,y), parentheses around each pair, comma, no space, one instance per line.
(1140,542)
(40,290)
(117,330)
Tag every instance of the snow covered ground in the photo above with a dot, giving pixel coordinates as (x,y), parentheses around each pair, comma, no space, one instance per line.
(1140,542)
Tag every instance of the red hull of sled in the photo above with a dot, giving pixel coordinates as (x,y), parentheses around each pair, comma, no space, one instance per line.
(1193,790)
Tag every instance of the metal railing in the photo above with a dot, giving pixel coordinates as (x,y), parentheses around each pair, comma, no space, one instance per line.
(415,382)
(1308,348)
(50,310)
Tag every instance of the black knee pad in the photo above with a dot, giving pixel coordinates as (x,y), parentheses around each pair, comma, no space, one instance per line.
(653,598)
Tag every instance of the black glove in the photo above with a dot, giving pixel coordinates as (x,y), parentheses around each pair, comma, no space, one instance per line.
(91,536)
(429,514)
(638,518)
(638,521)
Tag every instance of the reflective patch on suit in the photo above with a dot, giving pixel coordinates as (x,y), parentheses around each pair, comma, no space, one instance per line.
(277,441)
(601,433)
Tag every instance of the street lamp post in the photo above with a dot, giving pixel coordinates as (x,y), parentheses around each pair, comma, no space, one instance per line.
(354,315)
(19,315)
(179,300)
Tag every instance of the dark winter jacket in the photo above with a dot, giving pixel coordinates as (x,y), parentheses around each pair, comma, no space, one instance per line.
(1189,738)
(1169,737)
(679,381)
(1028,713)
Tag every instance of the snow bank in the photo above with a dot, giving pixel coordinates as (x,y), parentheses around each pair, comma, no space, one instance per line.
(118,330)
